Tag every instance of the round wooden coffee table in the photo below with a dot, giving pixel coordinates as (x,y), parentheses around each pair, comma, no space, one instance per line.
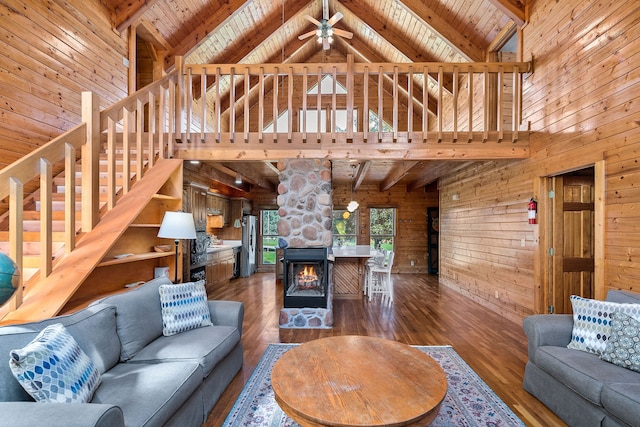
(358,381)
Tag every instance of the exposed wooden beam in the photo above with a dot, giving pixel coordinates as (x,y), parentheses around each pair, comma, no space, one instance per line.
(514,9)
(397,174)
(250,175)
(392,36)
(226,13)
(431,170)
(457,41)
(130,11)
(361,174)
(362,52)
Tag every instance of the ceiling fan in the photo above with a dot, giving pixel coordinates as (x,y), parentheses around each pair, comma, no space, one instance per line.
(325,30)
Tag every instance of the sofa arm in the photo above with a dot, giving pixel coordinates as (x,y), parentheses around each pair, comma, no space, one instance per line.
(547,329)
(33,414)
(227,313)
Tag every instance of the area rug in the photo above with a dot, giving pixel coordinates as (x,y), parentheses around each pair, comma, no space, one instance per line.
(469,400)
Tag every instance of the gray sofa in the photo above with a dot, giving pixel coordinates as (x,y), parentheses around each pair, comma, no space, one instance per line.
(579,387)
(148,379)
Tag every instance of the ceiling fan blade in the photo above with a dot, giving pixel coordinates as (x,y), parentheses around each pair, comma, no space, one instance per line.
(343,33)
(312,20)
(325,44)
(335,18)
(306,35)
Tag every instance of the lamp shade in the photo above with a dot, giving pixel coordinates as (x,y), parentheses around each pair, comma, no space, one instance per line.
(177,225)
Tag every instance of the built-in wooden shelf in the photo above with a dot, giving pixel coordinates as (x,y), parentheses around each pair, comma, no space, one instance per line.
(135,257)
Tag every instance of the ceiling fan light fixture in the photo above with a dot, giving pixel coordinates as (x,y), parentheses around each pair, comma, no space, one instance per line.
(352,206)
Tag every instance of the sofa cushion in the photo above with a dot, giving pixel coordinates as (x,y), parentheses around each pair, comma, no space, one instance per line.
(184,307)
(138,316)
(149,394)
(616,295)
(582,372)
(592,322)
(93,329)
(53,368)
(206,346)
(623,347)
(623,400)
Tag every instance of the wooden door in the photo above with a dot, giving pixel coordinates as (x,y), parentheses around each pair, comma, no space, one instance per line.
(573,239)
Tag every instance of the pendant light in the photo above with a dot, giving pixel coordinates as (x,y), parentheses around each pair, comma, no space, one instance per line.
(353,205)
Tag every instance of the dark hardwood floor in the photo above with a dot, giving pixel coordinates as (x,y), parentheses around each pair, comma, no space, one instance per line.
(423,313)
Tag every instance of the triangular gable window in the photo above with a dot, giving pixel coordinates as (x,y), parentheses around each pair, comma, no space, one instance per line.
(326,87)
(283,123)
(373,123)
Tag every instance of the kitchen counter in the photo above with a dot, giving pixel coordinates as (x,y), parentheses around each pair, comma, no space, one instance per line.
(226,245)
(349,270)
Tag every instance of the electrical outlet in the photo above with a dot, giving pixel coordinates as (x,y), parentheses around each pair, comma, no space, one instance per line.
(497,294)
(523,243)
(413,263)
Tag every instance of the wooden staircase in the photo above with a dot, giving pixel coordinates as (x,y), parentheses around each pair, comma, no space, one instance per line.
(108,196)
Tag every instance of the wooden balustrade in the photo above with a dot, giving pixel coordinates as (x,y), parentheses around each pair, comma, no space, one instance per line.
(235,102)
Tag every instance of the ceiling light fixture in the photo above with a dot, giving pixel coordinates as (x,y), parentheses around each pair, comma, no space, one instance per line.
(353,205)
(238,178)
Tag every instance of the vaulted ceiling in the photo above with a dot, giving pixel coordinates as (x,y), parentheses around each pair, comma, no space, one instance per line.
(266,31)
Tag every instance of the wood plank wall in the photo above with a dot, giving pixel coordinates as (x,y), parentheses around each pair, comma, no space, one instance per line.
(411,220)
(49,53)
(581,103)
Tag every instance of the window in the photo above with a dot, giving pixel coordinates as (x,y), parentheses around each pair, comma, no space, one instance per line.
(269,226)
(382,227)
(341,120)
(283,124)
(374,123)
(345,227)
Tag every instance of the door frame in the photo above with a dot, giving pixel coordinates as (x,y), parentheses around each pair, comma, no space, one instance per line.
(543,231)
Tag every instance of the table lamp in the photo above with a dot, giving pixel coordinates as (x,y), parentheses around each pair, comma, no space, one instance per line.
(177,225)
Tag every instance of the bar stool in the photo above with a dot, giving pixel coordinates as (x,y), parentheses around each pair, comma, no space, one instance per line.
(380,279)
(376,260)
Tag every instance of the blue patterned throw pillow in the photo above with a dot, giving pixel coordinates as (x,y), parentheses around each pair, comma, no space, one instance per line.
(184,307)
(53,368)
(623,347)
(592,322)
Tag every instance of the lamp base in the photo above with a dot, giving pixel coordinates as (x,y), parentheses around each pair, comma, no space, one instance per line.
(177,242)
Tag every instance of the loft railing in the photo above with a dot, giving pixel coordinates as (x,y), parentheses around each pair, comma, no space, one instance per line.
(463,102)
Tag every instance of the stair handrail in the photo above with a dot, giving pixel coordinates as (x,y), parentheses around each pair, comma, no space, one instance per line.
(84,142)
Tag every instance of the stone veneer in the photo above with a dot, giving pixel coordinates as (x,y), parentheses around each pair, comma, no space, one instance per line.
(305,203)
(306,215)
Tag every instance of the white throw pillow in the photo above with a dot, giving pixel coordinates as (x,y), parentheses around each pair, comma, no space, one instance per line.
(184,307)
(53,368)
(592,322)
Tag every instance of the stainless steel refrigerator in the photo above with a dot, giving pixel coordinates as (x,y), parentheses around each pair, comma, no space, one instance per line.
(249,243)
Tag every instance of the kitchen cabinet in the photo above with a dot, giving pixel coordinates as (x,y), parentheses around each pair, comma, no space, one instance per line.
(198,206)
(220,266)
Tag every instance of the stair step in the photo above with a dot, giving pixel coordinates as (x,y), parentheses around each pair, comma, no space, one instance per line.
(32,236)
(56,216)
(31,248)
(34,225)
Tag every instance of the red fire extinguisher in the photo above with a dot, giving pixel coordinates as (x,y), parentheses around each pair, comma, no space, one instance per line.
(532,209)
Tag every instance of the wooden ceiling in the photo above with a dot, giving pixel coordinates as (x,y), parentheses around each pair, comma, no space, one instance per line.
(265,31)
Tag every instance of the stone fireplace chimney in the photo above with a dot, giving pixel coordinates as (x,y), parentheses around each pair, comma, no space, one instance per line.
(305,203)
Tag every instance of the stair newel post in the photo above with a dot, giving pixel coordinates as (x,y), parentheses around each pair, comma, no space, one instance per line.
(90,161)
(16,240)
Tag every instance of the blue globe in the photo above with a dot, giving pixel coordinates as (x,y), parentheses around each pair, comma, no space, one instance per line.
(9,278)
